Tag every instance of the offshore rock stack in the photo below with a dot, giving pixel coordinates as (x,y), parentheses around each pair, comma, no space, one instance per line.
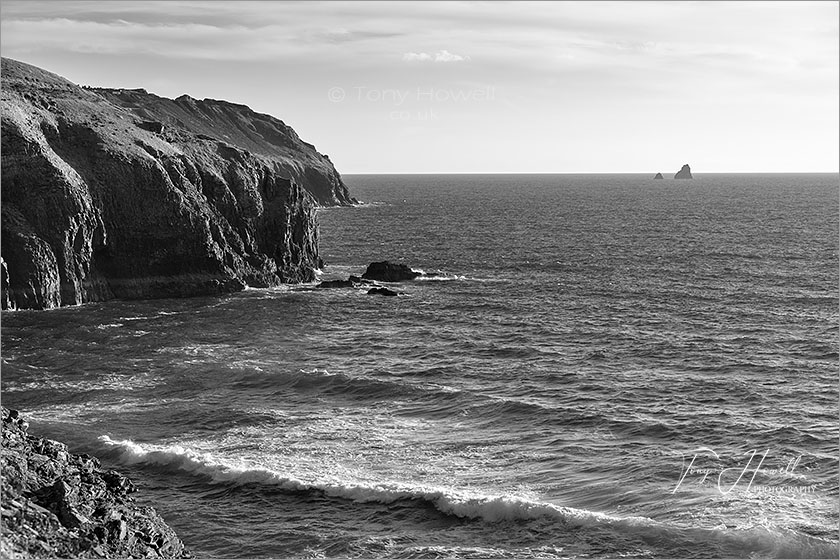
(56,504)
(124,194)
(684,173)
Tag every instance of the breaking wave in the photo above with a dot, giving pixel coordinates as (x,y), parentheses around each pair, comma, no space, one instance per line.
(472,505)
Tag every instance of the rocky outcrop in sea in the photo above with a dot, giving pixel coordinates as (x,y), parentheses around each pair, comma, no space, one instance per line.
(684,173)
(123,194)
(59,505)
(386,271)
(658,176)
(382,271)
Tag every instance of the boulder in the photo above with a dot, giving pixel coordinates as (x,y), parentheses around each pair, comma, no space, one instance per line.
(151,126)
(335,284)
(684,173)
(383,292)
(386,271)
(360,280)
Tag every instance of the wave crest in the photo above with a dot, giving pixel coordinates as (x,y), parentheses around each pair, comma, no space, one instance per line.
(476,506)
(489,508)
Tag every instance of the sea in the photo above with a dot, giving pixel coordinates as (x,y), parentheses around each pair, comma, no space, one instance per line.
(602,366)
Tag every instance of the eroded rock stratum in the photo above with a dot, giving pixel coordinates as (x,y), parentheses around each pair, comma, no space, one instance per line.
(124,194)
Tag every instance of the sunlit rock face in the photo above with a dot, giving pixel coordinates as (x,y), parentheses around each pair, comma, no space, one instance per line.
(124,194)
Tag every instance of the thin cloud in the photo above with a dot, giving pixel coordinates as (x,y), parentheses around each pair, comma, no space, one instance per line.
(440,56)
(446,56)
(346,36)
(181,41)
(416,57)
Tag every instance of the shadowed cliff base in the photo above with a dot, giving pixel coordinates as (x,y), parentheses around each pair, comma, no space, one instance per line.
(121,193)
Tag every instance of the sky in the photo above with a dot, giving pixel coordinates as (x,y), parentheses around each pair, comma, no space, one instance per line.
(481,87)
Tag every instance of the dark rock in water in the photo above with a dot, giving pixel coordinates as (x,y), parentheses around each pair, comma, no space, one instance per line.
(386,271)
(658,176)
(336,284)
(360,280)
(56,504)
(383,292)
(684,173)
(111,193)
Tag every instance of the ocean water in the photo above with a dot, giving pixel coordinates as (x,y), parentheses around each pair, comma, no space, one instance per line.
(606,366)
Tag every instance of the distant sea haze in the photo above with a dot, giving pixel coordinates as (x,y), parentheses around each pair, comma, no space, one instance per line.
(606,365)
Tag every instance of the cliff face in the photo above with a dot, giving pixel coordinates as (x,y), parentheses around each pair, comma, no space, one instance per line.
(56,504)
(107,193)
(230,123)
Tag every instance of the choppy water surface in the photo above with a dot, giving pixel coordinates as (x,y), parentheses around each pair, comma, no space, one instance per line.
(607,366)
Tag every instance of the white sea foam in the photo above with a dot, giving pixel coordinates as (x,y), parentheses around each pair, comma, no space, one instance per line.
(441,278)
(459,503)
(82,413)
(465,504)
(208,351)
(65,384)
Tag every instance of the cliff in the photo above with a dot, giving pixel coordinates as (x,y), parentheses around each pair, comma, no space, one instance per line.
(684,173)
(55,504)
(123,194)
(238,125)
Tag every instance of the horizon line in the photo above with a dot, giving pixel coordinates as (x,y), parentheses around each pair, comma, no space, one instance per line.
(694,173)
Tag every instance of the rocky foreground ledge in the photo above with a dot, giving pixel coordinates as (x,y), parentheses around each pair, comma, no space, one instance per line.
(56,504)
